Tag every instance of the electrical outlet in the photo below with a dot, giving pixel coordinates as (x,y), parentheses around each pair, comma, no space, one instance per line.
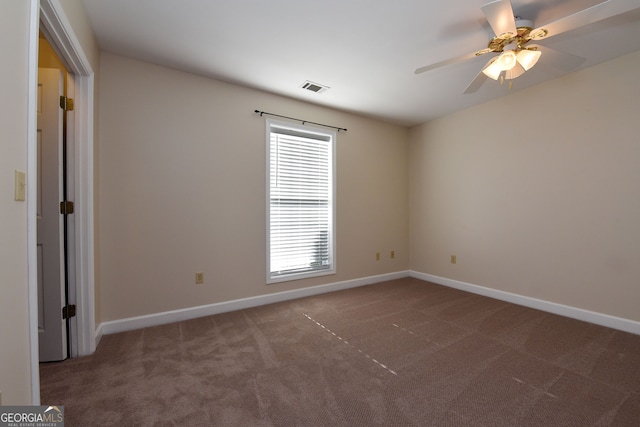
(377,256)
(393,254)
(454,259)
(199,278)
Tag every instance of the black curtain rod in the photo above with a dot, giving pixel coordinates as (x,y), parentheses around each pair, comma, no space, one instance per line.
(299,120)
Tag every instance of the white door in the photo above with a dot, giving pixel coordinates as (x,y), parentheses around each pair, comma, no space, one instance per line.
(52,334)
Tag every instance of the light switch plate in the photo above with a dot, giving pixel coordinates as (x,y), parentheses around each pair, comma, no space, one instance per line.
(20,186)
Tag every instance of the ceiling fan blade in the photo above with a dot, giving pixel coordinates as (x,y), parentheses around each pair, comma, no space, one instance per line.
(478,80)
(476,83)
(444,63)
(556,59)
(590,15)
(500,16)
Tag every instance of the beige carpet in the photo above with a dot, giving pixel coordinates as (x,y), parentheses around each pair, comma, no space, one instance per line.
(405,352)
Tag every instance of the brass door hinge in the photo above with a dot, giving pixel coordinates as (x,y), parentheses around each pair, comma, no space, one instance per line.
(66,103)
(69,311)
(66,207)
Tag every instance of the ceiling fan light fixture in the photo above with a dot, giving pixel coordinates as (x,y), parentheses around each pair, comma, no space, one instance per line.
(493,70)
(513,64)
(515,72)
(507,60)
(528,58)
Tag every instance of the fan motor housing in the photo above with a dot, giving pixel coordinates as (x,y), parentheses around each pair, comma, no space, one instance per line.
(524,35)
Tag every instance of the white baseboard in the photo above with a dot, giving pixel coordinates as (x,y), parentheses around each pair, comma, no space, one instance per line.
(99,333)
(618,323)
(156,319)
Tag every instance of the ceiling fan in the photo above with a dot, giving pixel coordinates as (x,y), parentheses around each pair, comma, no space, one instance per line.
(513,36)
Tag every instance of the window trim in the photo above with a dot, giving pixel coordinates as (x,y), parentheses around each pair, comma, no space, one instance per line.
(304,129)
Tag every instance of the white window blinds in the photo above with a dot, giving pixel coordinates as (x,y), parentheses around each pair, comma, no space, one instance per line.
(300,202)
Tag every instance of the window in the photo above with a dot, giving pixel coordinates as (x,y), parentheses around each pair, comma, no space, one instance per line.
(300,202)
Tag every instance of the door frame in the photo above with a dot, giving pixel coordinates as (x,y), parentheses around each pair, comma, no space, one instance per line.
(50,15)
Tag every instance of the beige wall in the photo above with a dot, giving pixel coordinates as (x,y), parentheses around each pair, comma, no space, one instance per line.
(15,376)
(537,192)
(182,189)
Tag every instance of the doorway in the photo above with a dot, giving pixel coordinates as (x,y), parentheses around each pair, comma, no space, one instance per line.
(49,17)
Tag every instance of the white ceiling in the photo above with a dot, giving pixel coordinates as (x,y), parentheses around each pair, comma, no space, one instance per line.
(366,51)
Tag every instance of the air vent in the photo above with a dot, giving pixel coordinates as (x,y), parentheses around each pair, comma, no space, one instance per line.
(314,87)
